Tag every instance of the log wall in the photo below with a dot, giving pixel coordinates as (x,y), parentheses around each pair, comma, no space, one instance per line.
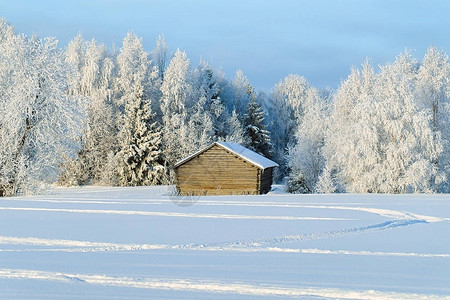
(219,172)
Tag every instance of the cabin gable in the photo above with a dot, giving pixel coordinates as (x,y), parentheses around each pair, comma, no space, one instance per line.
(224,168)
(217,171)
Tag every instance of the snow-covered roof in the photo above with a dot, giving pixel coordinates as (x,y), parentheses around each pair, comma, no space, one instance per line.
(242,152)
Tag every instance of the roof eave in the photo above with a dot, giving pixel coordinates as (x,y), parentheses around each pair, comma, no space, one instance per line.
(188,158)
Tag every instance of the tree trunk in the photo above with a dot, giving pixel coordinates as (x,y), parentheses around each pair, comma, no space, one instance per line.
(9,188)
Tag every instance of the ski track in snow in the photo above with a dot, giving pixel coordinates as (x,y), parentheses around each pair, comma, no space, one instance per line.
(399,219)
(315,236)
(255,245)
(208,286)
(388,213)
(169,214)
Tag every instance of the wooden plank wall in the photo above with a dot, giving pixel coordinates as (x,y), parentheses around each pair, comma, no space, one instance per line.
(217,172)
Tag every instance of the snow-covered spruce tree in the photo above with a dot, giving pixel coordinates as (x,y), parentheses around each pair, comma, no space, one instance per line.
(288,101)
(177,91)
(140,141)
(255,128)
(139,160)
(434,96)
(305,159)
(40,120)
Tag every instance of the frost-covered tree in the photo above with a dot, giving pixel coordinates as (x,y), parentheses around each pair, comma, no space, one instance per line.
(74,56)
(133,69)
(326,184)
(95,73)
(408,148)
(200,128)
(305,158)
(177,91)
(434,95)
(160,55)
(380,140)
(138,156)
(288,102)
(208,90)
(236,133)
(255,129)
(140,160)
(40,119)
(238,93)
(352,141)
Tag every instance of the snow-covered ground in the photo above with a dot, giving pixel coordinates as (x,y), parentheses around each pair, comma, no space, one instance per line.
(121,243)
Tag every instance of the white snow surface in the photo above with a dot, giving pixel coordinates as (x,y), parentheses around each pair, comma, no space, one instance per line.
(244,153)
(145,243)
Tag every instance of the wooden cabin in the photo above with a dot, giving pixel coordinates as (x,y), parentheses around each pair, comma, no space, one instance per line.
(224,169)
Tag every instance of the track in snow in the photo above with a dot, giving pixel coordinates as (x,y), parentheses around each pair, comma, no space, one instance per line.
(316,236)
(400,219)
(207,286)
(256,245)
(169,214)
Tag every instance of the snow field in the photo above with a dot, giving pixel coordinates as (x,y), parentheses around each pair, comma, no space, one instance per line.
(118,243)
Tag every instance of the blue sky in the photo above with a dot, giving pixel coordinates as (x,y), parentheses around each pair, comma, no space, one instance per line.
(268,40)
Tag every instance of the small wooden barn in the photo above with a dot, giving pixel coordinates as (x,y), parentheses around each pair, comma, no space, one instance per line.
(224,169)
